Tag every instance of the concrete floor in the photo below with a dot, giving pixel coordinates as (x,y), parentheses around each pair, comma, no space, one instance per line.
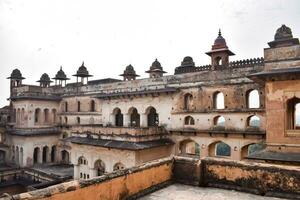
(179,192)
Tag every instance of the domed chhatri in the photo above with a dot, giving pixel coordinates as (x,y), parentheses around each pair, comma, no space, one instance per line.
(129,73)
(16,75)
(82,71)
(187,62)
(219,52)
(60,77)
(156,70)
(15,78)
(45,80)
(283,37)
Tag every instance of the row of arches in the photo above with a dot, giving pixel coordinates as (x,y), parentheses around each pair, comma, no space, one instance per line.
(219,121)
(92,106)
(45,116)
(189,147)
(134,117)
(48,154)
(252,100)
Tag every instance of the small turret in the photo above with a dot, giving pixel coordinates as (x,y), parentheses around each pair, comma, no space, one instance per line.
(129,73)
(60,77)
(219,52)
(156,70)
(83,73)
(45,80)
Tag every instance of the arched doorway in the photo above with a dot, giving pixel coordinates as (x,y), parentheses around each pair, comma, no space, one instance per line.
(189,148)
(99,166)
(118,117)
(65,157)
(152,117)
(53,154)
(134,117)
(45,154)
(36,155)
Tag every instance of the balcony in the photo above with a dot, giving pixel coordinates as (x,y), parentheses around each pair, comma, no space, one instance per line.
(120,133)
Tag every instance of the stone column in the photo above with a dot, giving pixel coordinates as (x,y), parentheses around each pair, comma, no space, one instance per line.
(126,118)
(40,156)
(48,155)
(144,120)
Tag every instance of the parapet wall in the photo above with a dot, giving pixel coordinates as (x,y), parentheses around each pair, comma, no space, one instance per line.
(258,178)
(124,184)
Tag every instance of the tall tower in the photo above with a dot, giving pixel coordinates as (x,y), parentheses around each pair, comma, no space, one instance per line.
(219,52)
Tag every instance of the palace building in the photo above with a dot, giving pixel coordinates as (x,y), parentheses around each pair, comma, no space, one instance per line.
(240,110)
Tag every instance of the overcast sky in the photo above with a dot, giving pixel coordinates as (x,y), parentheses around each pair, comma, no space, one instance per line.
(39,36)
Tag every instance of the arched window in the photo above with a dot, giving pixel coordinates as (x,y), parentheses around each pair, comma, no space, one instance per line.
(37,113)
(251,148)
(46,115)
(78,106)
(223,149)
(66,107)
(99,167)
(118,117)
(152,117)
(188,101)
(45,154)
(293,113)
(119,166)
(93,106)
(65,157)
(218,61)
(82,161)
(189,147)
(218,100)
(252,99)
(54,115)
(78,120)
(36,155)
(219,121)
(188,120)
(53,154)
(253,121)
(134,117)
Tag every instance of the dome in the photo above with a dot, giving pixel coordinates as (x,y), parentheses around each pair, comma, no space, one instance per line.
(220,42)
(129,72)
(129,68)
(45,78)
(82,71)
(16,74)
(156,65)
(187,62)
(283,32)
(60,75)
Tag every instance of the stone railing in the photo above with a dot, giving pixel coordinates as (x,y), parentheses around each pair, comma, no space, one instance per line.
(232,65)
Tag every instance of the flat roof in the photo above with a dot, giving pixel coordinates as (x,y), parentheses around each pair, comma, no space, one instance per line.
(119,144)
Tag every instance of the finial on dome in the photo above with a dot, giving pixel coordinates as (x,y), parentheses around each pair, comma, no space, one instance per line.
(60,67)
(220,34)
(82,63)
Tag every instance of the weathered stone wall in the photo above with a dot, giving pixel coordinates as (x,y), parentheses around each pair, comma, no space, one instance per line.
(264,179)
(279,138)
(124,184)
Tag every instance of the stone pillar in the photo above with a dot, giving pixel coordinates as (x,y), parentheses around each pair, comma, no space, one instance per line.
(144,120)
(48,155)
(40,156)
(112,119)
(93,172)
(126,118)
(76,172)
(203,151)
